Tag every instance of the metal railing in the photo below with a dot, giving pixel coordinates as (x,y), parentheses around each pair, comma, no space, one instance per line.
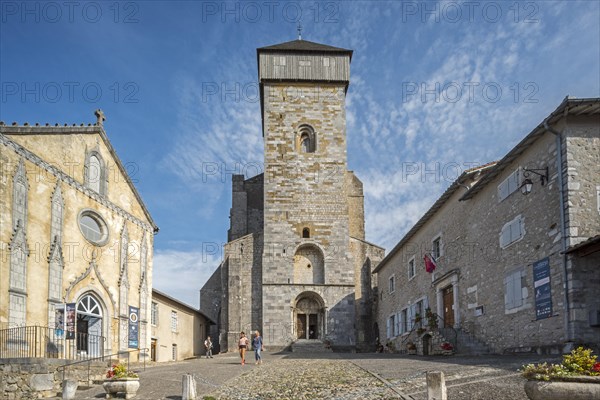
(118,355)
(44,342)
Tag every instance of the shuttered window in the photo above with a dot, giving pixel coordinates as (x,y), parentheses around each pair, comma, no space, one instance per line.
(512,231)
(513,289)
(509,185)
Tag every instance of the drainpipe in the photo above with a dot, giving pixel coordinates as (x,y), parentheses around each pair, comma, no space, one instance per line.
(559,161)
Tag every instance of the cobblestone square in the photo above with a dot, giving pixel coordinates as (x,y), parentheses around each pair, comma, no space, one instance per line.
(333,376)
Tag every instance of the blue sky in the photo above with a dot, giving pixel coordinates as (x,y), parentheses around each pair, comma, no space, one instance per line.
(436,88)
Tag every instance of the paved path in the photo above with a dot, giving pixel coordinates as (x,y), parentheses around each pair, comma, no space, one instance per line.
(333,376)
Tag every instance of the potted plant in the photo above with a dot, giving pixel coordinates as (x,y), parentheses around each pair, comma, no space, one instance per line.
(576,378)
(411,348)
(421,331)
(432,320)
(120,380)
(447,348)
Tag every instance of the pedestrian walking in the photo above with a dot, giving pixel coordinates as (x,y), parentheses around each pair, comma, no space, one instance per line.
(257,344)
(208,346)
(243,345)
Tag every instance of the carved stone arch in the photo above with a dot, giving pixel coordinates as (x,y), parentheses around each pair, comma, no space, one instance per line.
(95,172)
(85,282)
(309,264)
(309,316)
(306,139)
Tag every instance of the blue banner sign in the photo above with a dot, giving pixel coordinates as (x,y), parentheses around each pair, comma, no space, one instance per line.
(543,291)
(134,316)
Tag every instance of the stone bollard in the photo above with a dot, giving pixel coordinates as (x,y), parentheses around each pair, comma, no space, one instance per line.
(189,387)
(69,389)
(436,386)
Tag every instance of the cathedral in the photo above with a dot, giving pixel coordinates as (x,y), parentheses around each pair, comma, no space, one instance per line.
(296,265)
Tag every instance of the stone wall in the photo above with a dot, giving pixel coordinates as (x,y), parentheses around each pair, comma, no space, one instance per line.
(480,269)
(33,378)
(582,158)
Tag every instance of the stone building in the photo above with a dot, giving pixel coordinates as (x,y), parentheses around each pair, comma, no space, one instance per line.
(178,331)
(296,264)
(76,244)
(507,238)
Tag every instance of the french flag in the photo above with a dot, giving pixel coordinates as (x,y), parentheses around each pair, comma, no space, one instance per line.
(430,264)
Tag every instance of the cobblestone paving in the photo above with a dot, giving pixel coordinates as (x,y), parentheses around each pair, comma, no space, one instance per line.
(333,376)
(291,379)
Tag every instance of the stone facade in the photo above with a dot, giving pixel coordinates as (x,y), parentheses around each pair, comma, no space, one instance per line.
(73,229)
(490,238)
(296,264)
(178,331)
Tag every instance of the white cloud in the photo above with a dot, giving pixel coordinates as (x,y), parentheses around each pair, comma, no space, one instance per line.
(180,274)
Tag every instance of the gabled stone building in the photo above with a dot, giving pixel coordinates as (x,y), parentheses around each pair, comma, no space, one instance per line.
(515,272)
(296,265)
(76,244)
(178,330)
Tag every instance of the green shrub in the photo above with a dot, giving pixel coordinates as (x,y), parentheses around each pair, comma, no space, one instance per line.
(579,362)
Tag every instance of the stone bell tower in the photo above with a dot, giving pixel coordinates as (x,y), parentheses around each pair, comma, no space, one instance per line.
(296,265)
(313,206)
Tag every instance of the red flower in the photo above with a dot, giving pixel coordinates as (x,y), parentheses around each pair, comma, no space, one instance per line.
(446,346)
(596,367)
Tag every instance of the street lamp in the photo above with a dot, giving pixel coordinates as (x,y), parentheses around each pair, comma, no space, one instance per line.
(527,184)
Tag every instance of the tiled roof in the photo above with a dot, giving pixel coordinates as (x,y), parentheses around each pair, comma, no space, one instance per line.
(305,46)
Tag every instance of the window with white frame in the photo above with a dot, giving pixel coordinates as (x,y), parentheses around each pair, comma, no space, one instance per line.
(509,185)
(513,289)
(411,268)
(154,313)
(174,321)
(392,284)
(404,321)
(391,326)
(436,247)
(174,352)
(512,231)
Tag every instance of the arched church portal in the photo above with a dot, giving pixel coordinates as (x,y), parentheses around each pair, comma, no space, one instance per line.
(90,341)
(309,316)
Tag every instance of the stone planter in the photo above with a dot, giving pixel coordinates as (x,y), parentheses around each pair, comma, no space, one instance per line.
(128,386)
(571,388)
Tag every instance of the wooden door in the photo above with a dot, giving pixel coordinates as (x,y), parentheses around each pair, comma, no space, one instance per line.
(313,332)
(153,350)
(301,326)
(448,307)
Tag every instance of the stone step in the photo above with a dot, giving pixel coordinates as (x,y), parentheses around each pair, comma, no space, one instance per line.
(310,346)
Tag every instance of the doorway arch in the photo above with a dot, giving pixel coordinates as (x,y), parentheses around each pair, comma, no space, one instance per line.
(90,340)
(309,316)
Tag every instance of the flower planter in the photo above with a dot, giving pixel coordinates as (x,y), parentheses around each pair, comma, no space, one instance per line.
(129,386)
(572,388)
(412,351)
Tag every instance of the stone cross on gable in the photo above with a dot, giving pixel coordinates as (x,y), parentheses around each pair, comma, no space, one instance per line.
(299,31)
(100,117)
